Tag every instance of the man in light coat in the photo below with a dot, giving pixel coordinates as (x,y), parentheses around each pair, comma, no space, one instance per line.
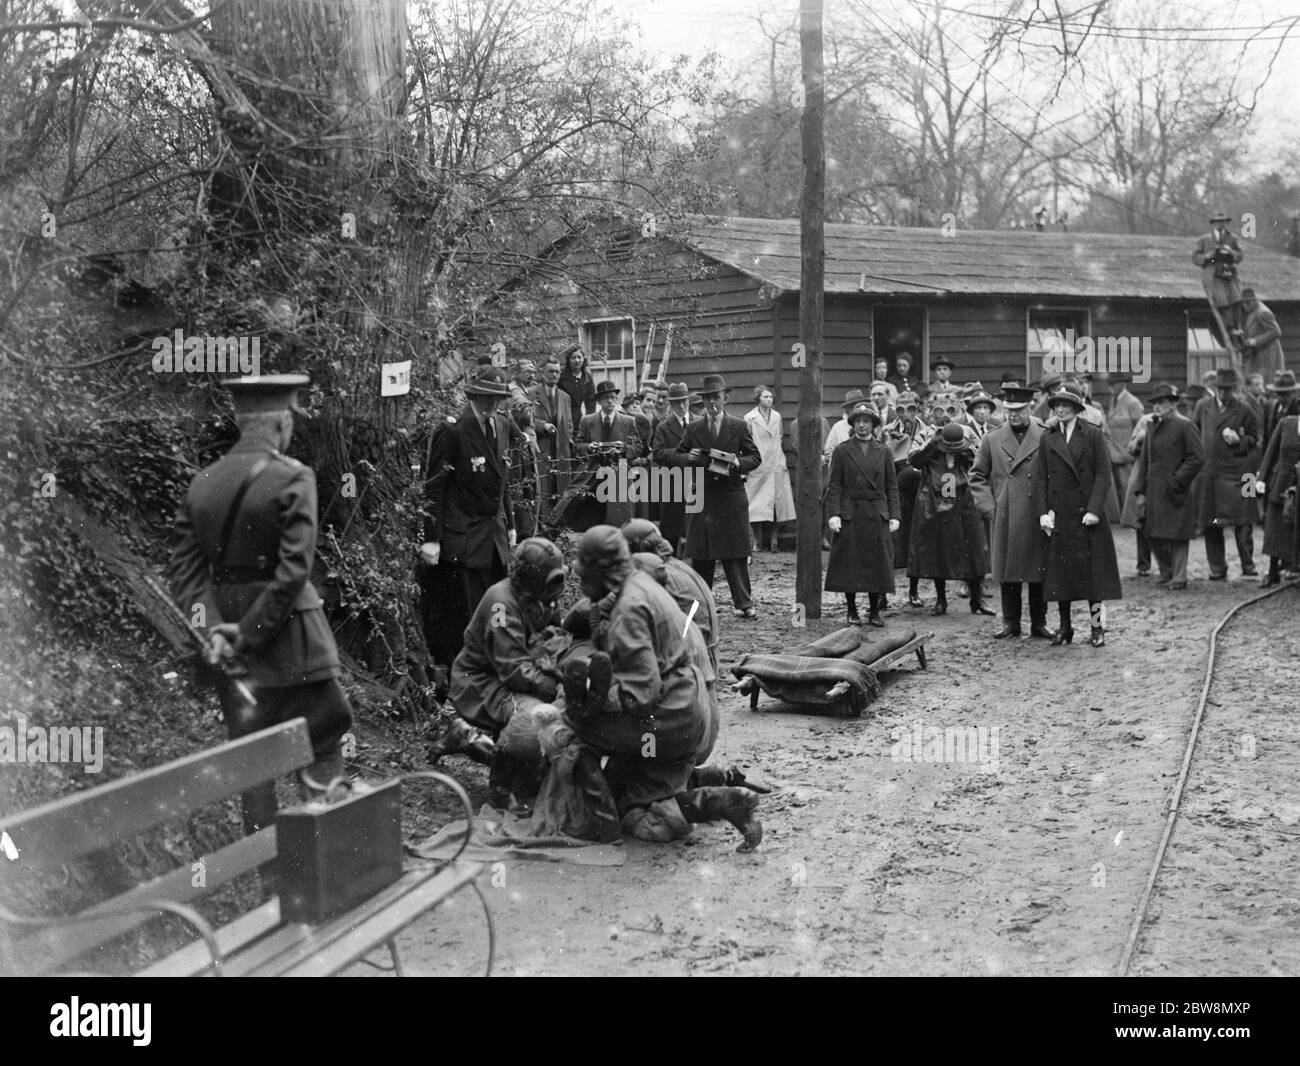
(1122,416)
(553,422)
(1262,338)
(1002,484)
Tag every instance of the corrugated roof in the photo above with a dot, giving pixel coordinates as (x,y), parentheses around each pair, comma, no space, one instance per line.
(897,261)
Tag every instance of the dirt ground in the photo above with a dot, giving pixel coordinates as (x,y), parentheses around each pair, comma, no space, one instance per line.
(1031,863)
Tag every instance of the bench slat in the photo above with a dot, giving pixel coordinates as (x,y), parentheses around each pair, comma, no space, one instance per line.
(87,821)
(193,959)
(375,922)
(58,945)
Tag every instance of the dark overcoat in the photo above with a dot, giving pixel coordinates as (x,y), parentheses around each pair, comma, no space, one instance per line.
(623,430)
(863,491)
(466,509)
(672,513)
(1003,485)
(1071,481)
(1225,499)
(263,580)
(721,529)
(1278,472)
(947,532)
(1165,471)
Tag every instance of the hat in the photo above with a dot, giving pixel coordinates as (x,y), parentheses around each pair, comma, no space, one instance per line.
(538,569)
(1248,294)
(1070,394)
(853,396)
(488,383)
(713,385)
(941,361)
(605,388)
(978,398)
(1014,397)
(1283,381)
(1119,377)
(1220,216)
(972,387)
(922,390)
(1193,392)
(1050,382)
(526,364)
(1227,377)
(952,438)
(906,398)
(678,391)
(1164,391)
(865,409)
(640,533)
(651,564)
(266,393)
(1010,378)
(602,546)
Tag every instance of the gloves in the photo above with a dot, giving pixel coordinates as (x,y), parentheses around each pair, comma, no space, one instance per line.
(894,523)
(1090,519)
(1047,522)
(835,523)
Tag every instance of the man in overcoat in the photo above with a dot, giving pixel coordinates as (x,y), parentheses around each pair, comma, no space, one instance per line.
(1230,433)
(1217,253)
(468,521)
(553,422)
(1166,469)
(667,435)
(1003,486)
(245,542)
(720,531)
(1072,482)
(1261,336)
(605,437)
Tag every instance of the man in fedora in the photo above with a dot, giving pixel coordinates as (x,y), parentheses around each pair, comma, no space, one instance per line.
(840,432)
(241,570)
(1230,433)
(1261,346)
(1002,483)
(720,531)
(468,521)
(941,371)
(667,435)
(1169,459)
(604,438)
(1217,253)
(1123,413)
(1282,392)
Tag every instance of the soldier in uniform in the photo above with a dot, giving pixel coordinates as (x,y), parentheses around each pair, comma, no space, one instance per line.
(468,524)
(245,541)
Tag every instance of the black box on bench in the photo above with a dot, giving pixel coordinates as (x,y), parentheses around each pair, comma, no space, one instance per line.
(332,856)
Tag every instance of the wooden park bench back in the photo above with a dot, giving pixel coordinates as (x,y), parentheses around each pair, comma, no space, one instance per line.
(56,834)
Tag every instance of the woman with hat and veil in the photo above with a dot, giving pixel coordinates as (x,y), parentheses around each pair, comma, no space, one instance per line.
(1072,481)
(863,505)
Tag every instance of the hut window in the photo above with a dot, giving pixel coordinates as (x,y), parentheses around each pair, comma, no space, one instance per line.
(1204,350)
(611,347)
(618,246)
(1055,330)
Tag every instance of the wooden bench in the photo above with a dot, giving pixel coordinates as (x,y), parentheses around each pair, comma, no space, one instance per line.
(257,943)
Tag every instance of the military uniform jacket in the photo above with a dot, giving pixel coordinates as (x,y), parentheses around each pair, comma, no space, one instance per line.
(721,529)
(262,583)
(465,492)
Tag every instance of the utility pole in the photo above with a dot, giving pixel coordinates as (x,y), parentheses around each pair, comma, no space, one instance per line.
(812,242)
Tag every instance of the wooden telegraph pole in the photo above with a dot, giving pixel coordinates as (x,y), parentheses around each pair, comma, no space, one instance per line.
(812,229)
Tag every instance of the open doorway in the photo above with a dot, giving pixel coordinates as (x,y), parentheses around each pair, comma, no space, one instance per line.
(899,334)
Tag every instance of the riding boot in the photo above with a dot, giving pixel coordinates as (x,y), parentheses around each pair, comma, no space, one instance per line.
(735,805)
(876,600)
(851,600)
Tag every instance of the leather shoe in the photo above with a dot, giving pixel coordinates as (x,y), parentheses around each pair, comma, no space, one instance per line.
(853,619)
(1007,631)
(1143,573)
(1164,579)
(1252,572)
(1063,636)
(1041,632)
(915,601)
(1218,577)
(873,619)
(940,607)
(1270,580)
(1098,637)
(977,607)
(1177,586)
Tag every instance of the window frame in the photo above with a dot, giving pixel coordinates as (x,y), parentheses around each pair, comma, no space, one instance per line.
(1084,310)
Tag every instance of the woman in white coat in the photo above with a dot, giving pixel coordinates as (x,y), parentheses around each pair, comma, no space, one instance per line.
(770,498)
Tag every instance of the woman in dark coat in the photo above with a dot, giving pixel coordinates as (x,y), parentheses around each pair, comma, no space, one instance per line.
(947,531)
(576,380)
(1277,472)
(1072,481)
(862,502)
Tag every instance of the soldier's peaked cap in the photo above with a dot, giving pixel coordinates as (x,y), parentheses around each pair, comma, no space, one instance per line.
(266,393)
